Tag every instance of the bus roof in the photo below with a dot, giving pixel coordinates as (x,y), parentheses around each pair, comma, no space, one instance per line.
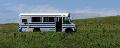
(44,14)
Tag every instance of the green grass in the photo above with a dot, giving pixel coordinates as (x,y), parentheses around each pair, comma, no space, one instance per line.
(91,33)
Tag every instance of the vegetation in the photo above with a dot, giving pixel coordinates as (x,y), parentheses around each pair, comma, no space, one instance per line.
(91,33)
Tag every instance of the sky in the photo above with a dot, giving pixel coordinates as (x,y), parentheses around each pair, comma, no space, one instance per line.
(10,9)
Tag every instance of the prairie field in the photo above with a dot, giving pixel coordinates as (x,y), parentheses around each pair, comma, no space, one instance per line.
(101,32)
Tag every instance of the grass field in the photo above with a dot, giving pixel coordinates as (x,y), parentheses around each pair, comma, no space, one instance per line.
(102,32)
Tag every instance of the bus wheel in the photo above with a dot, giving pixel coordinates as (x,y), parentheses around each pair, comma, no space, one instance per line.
(68,30)
(36,30)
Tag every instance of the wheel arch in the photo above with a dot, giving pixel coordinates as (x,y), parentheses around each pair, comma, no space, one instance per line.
(36,29)
(68,29)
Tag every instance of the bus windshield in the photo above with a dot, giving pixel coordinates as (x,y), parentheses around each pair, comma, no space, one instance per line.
(66,20)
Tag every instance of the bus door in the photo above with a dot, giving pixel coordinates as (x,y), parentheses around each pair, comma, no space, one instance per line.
(58,24)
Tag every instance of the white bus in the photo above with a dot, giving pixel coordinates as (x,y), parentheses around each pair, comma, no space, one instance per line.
(46,22)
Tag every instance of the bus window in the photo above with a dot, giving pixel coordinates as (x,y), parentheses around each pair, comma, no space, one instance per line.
(36,19)
(51,19)
(45,19)
(24,20)
(66,20)
(48,19)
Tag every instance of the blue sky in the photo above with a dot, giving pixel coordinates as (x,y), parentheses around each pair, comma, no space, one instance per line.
(9,9)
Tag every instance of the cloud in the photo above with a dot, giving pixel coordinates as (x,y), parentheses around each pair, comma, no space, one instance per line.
(78,13)
(92,13)
(7,16)
(39,9)
(10,14)
(102,12)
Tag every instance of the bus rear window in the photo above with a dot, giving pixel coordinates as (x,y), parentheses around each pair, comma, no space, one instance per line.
(24,20)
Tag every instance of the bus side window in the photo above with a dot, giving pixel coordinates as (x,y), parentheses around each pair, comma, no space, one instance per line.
(51,19)
(48,19)
(63,20)
(66,20)
(36,19)
(24,20)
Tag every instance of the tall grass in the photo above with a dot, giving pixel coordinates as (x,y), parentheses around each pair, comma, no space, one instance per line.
(91,33)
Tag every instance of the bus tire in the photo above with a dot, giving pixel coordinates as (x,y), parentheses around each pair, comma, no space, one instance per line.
(68,30)
(36,30)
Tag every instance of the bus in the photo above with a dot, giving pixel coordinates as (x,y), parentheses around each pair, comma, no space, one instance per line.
(46,22)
